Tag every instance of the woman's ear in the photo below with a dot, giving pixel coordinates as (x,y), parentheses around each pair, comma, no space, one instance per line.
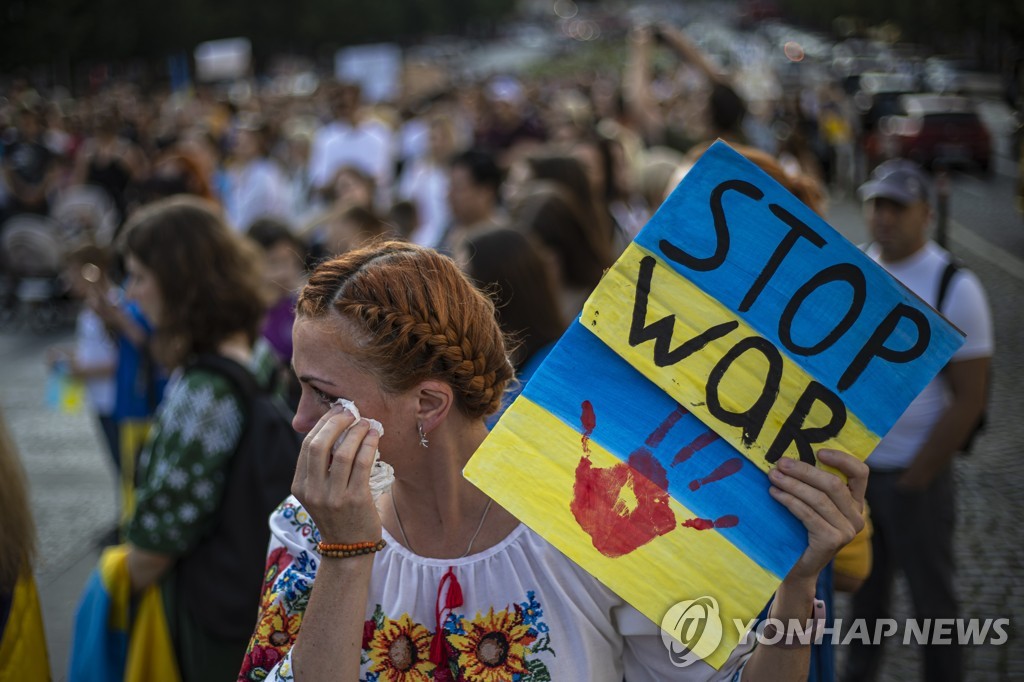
(435,399)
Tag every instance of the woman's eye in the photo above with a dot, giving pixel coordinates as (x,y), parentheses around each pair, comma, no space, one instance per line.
(323,397)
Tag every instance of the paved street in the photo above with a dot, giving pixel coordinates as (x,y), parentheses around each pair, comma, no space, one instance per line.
(73,490)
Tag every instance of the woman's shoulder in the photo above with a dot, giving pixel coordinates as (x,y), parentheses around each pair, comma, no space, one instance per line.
(199,395)
(199,382)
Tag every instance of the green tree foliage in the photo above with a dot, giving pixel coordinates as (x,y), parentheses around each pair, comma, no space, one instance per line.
(41,32)
(923,21)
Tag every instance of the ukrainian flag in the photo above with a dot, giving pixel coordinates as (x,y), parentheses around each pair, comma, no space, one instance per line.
(116,638)
(23,645)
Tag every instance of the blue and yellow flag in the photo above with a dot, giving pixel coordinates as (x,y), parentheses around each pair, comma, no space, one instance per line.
(736,329)
(116,638)
(23,654)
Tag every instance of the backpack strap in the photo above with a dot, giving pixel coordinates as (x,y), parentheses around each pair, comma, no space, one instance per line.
(243,382)
(947,276)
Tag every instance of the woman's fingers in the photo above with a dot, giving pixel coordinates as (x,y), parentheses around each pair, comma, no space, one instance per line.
(818,528)
(340,501)
(855,470)
(315,454)
(363,466)
(829,508)
(824,490)
(814,494)
(344,455)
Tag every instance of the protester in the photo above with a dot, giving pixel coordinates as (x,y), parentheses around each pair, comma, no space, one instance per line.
(257,187)
(109,161)
(570,175)
(401,332)
(30,167)
(611,185)
(199,284)
(551,215)
(92,357)
(912,496)
(425,182)
(351,138)
(474,184)
(284,258)
(506,264)
(139,383)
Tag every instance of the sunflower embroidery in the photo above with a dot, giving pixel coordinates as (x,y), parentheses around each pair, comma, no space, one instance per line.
(494,647)
(400,651)
(278,628)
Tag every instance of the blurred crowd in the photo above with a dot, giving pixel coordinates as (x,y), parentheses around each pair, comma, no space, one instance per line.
(577,163)
(533,186)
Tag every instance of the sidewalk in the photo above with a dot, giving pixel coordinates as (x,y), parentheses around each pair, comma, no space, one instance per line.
(71,482)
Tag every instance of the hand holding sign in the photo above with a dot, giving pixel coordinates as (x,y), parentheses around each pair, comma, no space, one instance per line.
(831,512)
(736,330)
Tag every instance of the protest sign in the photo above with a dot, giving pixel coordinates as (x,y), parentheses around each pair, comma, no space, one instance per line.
(736,329)
(223,60)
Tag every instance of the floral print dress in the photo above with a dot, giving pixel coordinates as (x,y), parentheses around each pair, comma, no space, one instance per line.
(519,611)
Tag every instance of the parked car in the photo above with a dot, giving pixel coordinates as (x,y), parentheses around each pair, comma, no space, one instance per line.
(932,129)
(878,95)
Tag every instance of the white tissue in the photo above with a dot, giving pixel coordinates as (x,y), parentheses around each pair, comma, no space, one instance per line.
(382,475)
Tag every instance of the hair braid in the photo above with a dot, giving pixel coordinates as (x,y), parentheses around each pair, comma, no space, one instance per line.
(420,318)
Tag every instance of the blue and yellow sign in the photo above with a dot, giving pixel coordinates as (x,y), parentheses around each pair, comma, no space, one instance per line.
(736,329)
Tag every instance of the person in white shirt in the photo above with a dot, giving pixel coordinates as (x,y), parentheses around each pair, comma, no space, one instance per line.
(352,140)
(425,183)
(92,357)
(257,187)
(911,493)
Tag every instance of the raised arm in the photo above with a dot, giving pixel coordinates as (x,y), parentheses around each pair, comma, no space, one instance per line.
(831,510)
(636,85)
(334,488)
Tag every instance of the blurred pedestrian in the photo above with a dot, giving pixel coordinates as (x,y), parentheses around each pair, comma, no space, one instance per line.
(580,250)
(284,258)
(257,188)
(109,161)
(510,125)
(352,138)
(30,167)
(425,182)
(473,196)
(92,356)
(911,492)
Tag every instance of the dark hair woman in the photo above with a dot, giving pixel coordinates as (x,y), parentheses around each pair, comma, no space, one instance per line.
(512,270)
(199,283)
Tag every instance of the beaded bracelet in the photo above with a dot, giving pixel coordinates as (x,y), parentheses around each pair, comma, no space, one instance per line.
(343,547)
(336,551)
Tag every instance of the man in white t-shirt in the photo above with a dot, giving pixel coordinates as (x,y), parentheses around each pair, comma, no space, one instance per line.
(910,491)
(352,139)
